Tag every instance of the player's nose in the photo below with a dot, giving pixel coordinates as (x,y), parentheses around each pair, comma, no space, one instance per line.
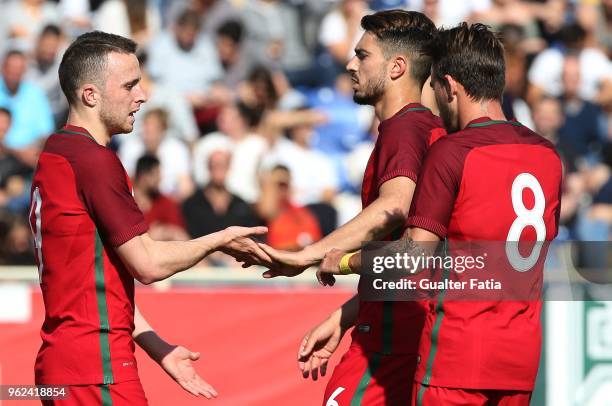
(141,96)
(351,66)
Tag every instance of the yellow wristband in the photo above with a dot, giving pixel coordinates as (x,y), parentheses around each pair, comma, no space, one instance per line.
(345,268)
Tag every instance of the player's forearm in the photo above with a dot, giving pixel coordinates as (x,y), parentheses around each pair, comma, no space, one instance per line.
(170,257)
(374,222)
(346,315)
(150,261)
(148,340)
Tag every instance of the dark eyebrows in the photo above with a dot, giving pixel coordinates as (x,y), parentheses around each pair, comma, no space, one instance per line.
(132,83)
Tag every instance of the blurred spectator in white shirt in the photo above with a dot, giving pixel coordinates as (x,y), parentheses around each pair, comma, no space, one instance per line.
(135,19)
(341,29)
(172,153)
(545,73)
(185,61)
(237,124)
(274,34)
(21,21)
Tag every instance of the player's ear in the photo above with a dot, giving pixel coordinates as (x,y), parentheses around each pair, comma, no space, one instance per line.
(90,95)
(451,86)
(399,67)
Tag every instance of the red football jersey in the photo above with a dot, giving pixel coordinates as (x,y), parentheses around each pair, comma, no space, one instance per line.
(403,140)
(492,181)
(82,207)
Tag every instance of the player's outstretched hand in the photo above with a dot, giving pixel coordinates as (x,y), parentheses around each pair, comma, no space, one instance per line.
(329,267)
(286,263)
(178,363)
(317,347)
(238,244)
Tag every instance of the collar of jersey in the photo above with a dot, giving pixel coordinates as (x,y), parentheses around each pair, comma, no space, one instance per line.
(486,121)
(408,108)
(74,130)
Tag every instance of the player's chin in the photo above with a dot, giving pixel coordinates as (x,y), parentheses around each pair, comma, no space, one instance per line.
(126,128)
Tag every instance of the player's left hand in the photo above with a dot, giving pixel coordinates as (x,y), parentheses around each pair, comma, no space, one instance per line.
(238,244)
(286,263)
(178,364)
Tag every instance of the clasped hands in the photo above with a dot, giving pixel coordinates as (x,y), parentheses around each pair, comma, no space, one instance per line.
(281,263)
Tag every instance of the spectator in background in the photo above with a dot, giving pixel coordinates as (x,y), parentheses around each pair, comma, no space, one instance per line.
(548,119)
(213,207)
(12,170)
(181,122)
(341,29)
(274,34)
(314,179)
(76,16)
(28,104)
(135,19)
(162,215)
(545,74)
(269,90)
(518,13)
(15,240)
(513,102)
(212,13)
(581,131)
(182,59)
(234,57)
(313,175)
(43,71)
(171,152)
(21,22)
(238,131)
(290,227)
(448,13)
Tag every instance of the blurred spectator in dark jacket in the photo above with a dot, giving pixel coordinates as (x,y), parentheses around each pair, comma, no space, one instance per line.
(214,208)
(581,131)
(162,214)
(15,240)
(12,171)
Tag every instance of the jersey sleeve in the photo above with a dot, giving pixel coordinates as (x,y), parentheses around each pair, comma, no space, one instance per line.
(436,190)
(105,192)
(399,154)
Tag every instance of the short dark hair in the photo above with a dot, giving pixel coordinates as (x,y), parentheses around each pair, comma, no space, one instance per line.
(474,56)
(6,112)
(403,32)
(252,115)
(51,29)
(231,29)
(189,18)
(14,52)
(86,58)
(146,164)
(161,114)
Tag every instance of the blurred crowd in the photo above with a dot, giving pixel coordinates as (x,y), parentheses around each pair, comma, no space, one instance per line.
(250,118)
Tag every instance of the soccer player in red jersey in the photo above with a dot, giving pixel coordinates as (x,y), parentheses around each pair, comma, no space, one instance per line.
(490,180)
(91,240)
(388,72)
